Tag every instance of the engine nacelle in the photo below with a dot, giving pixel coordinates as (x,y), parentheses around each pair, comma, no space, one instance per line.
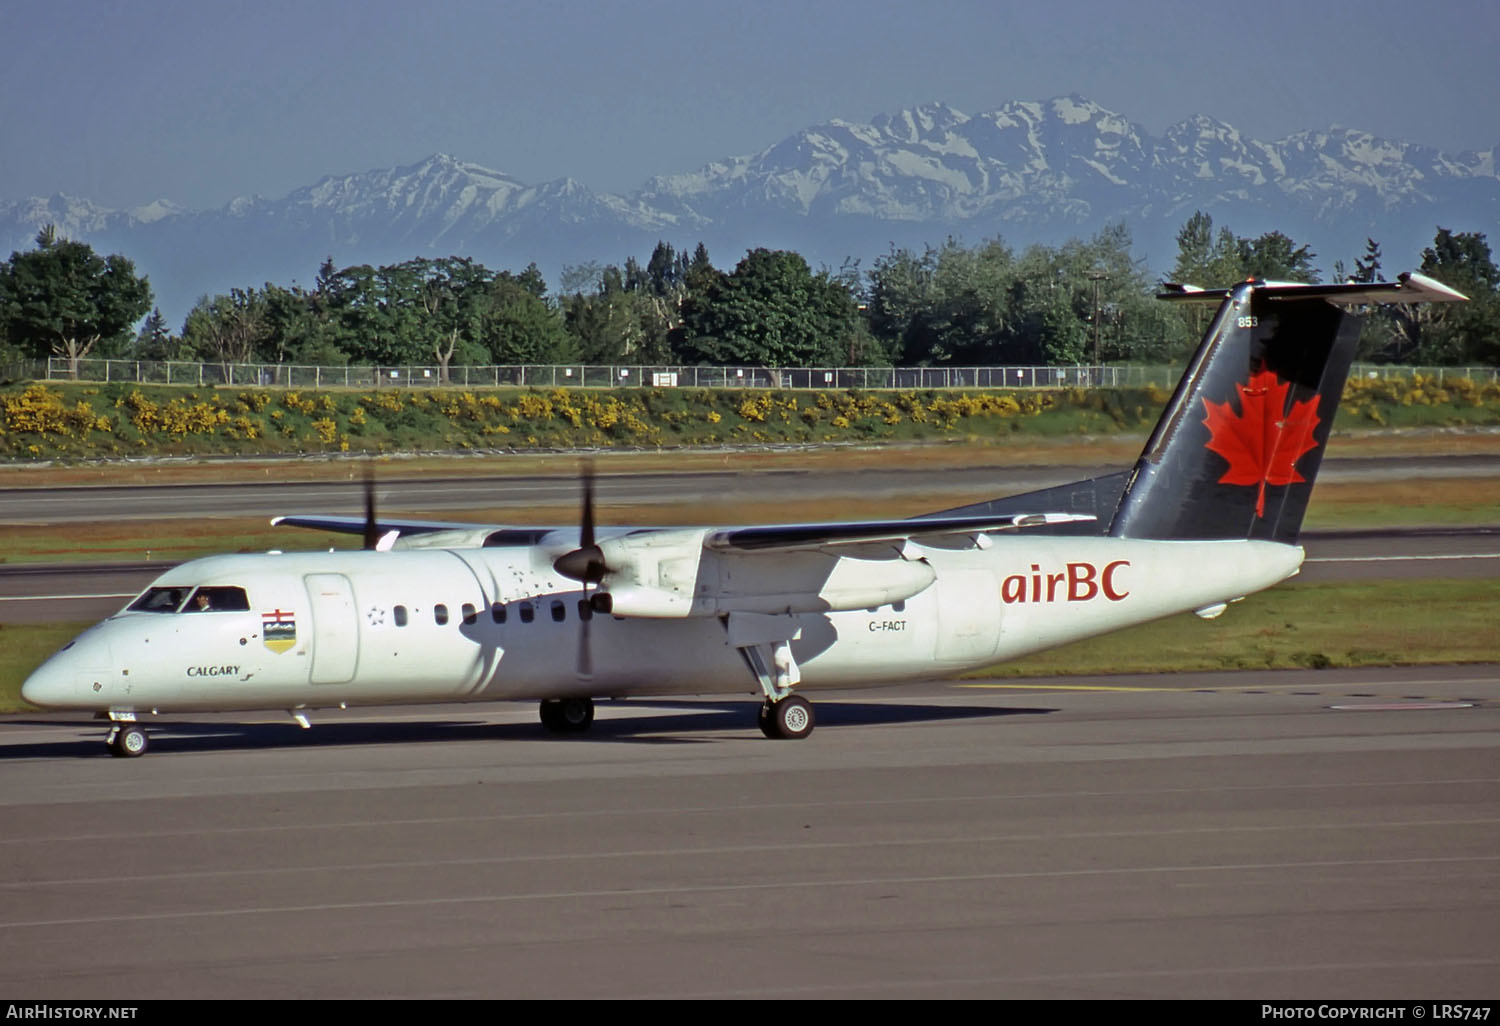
(669,576)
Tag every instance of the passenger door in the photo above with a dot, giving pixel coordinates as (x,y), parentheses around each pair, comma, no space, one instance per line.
(335,647)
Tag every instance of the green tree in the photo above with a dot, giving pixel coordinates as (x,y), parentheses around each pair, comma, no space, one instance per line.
(445,293)
(512,324)
(1206,258)
(1457,333)
(1367,267)
(772,311)
(155,341)
(1438,333)
(373,313)
(228,329)
(300,329)
(1275,257)
(63,299)
(900,292)
(951,305)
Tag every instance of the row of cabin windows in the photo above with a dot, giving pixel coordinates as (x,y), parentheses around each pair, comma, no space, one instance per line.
(499,612)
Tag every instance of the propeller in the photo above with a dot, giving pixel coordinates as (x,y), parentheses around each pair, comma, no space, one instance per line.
(584,564)
(372,529)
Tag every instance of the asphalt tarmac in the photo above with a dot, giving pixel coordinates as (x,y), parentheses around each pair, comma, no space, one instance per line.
(1286,836)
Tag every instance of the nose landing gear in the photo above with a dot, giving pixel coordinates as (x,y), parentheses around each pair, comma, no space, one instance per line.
(127,740)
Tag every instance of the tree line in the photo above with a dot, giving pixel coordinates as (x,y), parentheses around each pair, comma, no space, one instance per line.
(1084,301)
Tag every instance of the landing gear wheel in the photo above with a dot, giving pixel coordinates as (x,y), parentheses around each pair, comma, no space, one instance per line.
(790,719)
(567,715)
(129,743)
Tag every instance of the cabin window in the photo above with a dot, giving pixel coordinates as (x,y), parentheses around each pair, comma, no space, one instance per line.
(218,600)
(497,612)
(471,615)
(400,616)
(559,611)
(159,600)
(440,614)
(585,611)
(527,613)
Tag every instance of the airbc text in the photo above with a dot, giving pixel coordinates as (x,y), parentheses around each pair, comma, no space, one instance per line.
(1077,582)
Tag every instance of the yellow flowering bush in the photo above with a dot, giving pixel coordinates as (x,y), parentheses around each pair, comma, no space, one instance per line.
(42,421)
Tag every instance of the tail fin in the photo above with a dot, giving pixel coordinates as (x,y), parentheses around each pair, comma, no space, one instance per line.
(1237,449)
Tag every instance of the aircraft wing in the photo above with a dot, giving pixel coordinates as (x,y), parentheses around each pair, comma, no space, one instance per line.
(742,539)
(788,537)
(356,525)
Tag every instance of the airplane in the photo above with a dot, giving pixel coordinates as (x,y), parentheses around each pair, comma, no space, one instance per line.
(443,612)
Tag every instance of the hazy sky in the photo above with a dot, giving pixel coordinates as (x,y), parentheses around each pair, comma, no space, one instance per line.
(199,101)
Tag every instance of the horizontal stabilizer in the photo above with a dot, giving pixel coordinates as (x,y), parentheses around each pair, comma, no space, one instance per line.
(1409,287)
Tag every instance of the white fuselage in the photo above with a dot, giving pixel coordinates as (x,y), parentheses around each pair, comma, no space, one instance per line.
(483,624)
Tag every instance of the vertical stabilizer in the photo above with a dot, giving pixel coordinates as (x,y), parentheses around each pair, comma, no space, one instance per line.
(1236,452)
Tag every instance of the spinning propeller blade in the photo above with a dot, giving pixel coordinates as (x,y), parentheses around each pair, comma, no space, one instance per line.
(584,564)
(372,529)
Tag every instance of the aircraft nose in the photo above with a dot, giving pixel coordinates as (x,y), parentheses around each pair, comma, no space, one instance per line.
(71,678)
(48,686)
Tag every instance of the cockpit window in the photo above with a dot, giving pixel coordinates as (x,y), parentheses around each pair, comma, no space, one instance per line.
(218,600)
(159,600)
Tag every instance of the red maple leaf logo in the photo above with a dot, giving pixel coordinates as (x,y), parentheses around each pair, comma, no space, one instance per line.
(1261,443)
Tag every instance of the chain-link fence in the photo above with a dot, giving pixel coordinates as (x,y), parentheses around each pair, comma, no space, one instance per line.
(641,376)
(22,370)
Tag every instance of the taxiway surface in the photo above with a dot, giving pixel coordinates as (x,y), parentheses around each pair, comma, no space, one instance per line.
(1255,835)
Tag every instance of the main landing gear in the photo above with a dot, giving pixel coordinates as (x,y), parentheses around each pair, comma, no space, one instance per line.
(567,715)
(126,740)
(784,716)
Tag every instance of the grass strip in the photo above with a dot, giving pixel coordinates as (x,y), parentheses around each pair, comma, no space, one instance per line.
(1309,626)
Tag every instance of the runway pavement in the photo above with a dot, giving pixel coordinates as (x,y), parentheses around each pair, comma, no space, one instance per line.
(1292,835)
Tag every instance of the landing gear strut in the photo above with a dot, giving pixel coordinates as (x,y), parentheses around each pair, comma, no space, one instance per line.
(126,740)
(783,716)
(567,715)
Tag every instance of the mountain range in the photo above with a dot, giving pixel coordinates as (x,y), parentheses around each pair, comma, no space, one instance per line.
(1027,171)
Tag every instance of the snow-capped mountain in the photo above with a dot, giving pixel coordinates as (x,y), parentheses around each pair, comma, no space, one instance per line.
(1030,171)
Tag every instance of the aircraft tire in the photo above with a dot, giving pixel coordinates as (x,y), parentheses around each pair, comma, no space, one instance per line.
(567,715)
(129,743)
(766,722)
(791,718)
